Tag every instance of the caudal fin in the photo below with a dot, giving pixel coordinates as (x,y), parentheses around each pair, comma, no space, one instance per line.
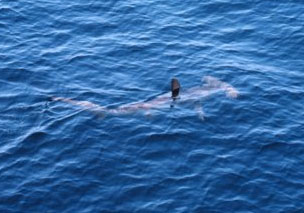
(213,82)
(86,105)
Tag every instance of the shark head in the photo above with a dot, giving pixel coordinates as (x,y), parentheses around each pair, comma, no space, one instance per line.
(214,83)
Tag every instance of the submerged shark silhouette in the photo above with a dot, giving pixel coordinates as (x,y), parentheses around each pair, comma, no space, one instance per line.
(211,85)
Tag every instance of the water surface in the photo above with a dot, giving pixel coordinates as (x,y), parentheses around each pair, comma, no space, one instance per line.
(246,156)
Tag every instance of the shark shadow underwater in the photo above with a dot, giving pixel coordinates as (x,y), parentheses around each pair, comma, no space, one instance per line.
(211,85)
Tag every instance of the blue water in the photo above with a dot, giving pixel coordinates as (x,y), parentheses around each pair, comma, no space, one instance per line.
(246,156)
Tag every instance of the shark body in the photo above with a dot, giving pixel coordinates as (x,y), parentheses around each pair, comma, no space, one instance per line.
(211,85)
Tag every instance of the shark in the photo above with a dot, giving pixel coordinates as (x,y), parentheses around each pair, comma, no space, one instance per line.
(211,85)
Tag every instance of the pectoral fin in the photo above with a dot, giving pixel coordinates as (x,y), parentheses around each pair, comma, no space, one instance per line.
(200,112)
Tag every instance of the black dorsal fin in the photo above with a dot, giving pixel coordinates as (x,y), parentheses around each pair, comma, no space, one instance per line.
(175,86)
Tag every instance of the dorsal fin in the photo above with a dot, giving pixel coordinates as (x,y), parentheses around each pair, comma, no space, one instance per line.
(175,86)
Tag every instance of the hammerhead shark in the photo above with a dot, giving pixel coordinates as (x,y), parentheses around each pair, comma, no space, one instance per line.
(211,86)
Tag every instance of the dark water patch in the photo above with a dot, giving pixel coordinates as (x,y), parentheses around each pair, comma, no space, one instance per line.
(25,146)
(15,75)
(280,148)
(10,15)
(94,29)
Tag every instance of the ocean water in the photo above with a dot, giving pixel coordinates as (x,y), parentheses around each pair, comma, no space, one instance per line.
(247,155)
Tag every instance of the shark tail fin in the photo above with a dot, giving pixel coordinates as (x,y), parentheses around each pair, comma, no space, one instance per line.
(213,82)
(84,105)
